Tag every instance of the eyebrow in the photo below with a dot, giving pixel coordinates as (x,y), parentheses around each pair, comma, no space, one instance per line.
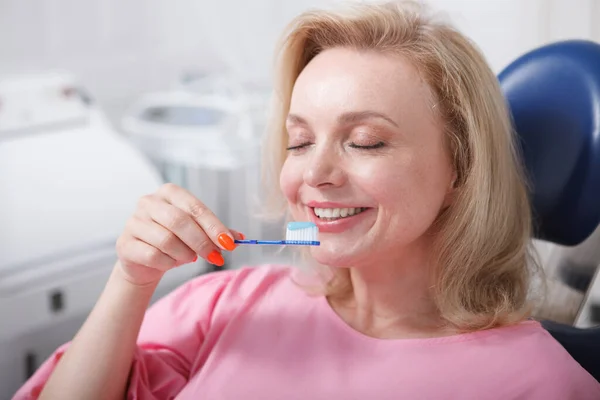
(347,118)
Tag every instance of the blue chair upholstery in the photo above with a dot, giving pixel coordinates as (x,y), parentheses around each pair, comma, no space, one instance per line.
(553,94)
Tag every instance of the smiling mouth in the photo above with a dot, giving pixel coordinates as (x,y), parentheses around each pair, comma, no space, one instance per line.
(334,214)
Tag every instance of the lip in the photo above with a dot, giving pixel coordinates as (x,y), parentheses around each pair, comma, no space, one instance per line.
(341,224)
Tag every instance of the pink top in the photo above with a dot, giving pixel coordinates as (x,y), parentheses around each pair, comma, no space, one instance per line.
(253,333)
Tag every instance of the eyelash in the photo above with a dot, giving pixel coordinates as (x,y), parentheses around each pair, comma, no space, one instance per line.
(354,146)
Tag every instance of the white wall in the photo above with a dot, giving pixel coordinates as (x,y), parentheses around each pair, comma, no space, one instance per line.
(119,48)
(123,48)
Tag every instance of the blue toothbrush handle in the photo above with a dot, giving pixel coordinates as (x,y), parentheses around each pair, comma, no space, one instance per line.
(280,242)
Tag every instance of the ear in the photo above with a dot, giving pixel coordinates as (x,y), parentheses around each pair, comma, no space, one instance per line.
(451,191)
(453,182)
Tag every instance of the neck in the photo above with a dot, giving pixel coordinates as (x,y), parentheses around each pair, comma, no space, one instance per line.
(392,298)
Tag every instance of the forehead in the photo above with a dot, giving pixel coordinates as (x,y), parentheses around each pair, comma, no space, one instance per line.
(352,80)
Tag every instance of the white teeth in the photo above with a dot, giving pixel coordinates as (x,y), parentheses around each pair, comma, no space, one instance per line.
(337,212)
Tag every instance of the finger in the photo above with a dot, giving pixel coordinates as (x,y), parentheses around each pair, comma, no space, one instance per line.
(158,236)
(202,215)
(135,251)
(237,235)
(182,225)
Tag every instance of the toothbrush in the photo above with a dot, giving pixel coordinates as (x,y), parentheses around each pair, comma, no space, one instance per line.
(297,234)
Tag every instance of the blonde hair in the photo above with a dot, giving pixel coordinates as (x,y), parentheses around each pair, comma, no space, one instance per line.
(482,240)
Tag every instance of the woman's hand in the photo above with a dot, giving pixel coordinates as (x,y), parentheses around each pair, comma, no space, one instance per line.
(170,228)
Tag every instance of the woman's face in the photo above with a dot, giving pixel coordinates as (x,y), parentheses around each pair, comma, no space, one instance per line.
(367,160)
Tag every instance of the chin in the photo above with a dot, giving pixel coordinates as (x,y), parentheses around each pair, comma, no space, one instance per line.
(338,258)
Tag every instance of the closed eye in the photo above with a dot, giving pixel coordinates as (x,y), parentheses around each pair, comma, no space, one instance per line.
(352,145)
(299,146)
(369,147)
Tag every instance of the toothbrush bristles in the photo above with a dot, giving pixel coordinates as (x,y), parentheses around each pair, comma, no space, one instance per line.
(308,235)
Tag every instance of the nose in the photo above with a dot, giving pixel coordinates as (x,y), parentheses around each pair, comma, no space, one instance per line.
(324,169)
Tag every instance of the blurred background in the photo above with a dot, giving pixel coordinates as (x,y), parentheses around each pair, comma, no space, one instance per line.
(103,101)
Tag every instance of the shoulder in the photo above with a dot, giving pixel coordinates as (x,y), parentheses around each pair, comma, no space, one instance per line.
(531,357)
(231,286)
(219,296)
(243,281)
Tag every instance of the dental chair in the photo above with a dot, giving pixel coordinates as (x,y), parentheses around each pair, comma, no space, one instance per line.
(553,94)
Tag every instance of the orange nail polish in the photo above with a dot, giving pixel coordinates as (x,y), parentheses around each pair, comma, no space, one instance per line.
(215,258)
(226,241)
(242,236)
(195,258)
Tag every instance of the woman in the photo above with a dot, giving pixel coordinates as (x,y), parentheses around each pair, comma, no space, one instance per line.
(391,133)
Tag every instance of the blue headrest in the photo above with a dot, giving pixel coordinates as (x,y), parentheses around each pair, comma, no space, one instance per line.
(554,96)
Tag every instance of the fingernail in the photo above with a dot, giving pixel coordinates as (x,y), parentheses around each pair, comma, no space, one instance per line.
(242,236)
(216,258)
(226,241)
(195,258)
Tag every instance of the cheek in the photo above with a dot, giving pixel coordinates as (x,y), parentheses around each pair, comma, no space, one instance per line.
(405,187)
(384,180)
(290,180)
